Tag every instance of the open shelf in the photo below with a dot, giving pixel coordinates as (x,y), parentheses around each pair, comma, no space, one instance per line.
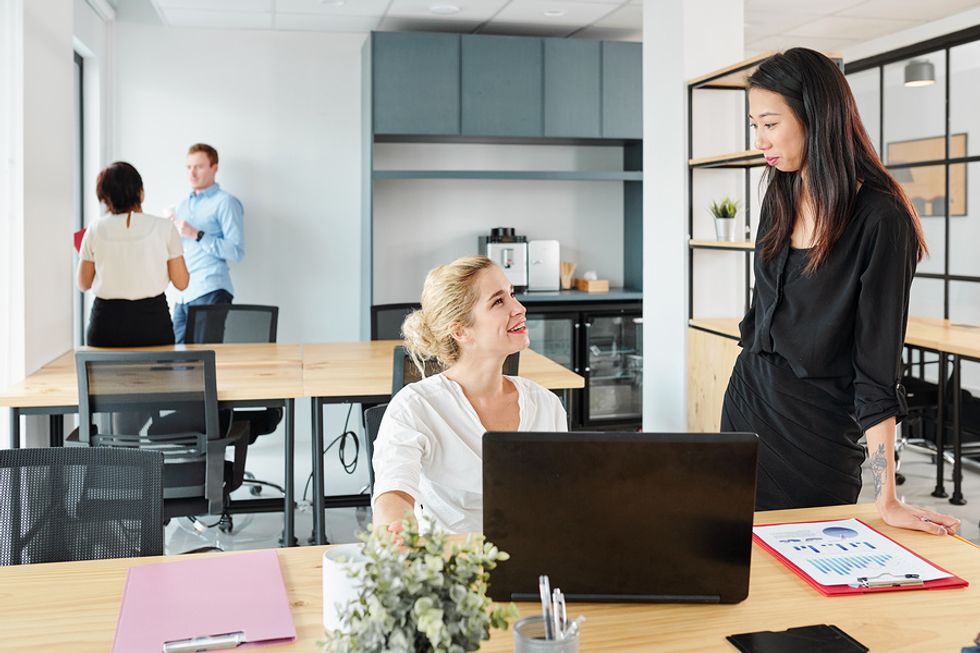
(722,326)
(737,245)
(730,77)
(743,159)
(556,175)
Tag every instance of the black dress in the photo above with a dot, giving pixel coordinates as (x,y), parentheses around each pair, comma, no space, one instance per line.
(821,356)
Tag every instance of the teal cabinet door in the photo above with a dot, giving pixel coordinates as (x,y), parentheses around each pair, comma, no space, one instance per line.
(622,90)
(572,88)
(502,93)
(415,83)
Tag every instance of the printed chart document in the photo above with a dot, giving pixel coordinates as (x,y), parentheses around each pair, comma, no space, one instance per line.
(845,552)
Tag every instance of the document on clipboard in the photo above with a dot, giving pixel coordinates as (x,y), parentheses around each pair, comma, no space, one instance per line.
(203,604)
(847,556)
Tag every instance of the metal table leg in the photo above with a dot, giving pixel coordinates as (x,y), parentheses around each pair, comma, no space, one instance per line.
(319,532)
(56,430)
(14,428)
(289,498)
(957,498)
(940,490)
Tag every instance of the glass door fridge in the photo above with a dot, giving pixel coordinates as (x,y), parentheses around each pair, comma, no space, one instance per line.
(613,367)
(553,335)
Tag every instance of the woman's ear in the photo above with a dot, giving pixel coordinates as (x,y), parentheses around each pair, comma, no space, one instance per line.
(459,333)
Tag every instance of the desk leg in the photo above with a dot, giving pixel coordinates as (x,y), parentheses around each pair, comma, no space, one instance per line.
(957,498)
(319,530)
(15,428)
(940,490)
(289,498)
(56,430)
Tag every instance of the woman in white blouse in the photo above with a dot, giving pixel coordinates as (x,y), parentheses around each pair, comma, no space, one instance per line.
(428,457)
(128,258)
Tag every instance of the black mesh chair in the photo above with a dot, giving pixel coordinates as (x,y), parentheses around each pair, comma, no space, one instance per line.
(372,424)
(79,503)
(177,391)
(239,323)
(405,371)
(387,319)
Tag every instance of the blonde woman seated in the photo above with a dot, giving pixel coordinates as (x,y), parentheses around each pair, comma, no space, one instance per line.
(428,457)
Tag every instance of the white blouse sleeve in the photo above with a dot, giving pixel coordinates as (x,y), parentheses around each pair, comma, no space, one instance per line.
(398,454)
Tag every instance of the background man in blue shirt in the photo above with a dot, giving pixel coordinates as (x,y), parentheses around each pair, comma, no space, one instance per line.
(210,222)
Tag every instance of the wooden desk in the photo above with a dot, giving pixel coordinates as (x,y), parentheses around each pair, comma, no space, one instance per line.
(953,342)
(74,606)
(248,375)
(360,372)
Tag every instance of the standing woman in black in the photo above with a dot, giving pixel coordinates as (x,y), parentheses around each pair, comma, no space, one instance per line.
(836,250)
(128,258)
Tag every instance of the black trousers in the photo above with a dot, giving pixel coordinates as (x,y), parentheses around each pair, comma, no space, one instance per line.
(130,323)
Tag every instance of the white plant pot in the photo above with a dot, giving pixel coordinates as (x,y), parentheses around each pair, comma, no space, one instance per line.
(724,229)
(339,588)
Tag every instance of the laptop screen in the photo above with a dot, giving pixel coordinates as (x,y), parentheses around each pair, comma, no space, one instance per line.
(621,516)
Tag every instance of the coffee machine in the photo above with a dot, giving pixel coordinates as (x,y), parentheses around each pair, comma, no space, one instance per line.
(509,251)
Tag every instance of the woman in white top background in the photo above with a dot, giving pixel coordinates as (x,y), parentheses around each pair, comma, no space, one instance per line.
(428,457)
(128,258)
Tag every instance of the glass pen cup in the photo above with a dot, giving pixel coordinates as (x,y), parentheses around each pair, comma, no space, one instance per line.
(529,638)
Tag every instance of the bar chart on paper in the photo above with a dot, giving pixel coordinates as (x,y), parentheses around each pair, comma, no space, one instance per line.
(841,552)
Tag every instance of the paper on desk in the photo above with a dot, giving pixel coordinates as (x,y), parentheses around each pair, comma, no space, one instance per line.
(840,552)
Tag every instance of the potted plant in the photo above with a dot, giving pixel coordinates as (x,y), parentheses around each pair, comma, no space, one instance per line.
(417,592)
(724,212)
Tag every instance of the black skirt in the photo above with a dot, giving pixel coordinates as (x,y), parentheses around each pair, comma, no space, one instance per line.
(808,450)
(130,323)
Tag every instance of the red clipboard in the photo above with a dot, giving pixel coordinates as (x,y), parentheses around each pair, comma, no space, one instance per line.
(952,582)
(78,239)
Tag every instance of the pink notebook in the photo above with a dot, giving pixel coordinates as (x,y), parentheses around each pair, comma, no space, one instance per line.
(235,599)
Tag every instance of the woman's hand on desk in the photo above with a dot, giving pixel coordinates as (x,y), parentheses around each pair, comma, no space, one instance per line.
(901,515)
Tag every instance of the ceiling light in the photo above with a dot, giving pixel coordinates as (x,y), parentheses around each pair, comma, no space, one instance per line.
(919,73)
(554,13)
(444,9)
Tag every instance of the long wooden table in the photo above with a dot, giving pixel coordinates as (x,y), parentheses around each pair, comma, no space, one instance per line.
(952,342)
(360,372)
(74,606)
(248,376)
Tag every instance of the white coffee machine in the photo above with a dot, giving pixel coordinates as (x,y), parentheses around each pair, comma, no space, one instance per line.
(509,251)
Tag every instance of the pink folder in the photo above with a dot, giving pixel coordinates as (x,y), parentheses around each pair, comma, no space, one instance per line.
(204,597)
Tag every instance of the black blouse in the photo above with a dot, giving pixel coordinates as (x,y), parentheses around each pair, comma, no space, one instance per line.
(843,328)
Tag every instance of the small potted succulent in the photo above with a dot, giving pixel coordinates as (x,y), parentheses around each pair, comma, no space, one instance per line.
(419,592)
(724,212)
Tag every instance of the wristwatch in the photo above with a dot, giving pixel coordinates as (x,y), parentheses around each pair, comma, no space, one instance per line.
(200,235)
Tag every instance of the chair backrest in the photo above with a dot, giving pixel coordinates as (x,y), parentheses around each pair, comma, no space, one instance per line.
(213,323)
(372,424)
(78,503)
(405,371)
(175,389)
(386,320)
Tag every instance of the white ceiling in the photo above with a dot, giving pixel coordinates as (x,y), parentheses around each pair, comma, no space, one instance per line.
(829,25)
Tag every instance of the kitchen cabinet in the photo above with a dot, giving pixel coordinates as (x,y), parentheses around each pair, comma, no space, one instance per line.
(572,88)
(622,90)
(415,83)
(501,90)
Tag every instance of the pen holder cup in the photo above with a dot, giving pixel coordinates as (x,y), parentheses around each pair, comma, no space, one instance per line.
(529,638)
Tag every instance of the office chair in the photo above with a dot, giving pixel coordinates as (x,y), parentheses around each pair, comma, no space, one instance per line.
(387,319)
(240,323)
(77,503)
(132,387)
(405,371)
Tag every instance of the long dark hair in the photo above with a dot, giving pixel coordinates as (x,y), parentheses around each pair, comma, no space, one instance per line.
(837,153)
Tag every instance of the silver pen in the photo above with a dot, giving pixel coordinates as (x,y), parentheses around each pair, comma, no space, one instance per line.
(544,588)
(556,613)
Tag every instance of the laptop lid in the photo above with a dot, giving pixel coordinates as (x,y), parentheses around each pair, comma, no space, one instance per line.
(621,516)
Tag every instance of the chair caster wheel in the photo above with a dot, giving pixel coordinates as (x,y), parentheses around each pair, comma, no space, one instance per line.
(899,479)
(226,524)
(255,490)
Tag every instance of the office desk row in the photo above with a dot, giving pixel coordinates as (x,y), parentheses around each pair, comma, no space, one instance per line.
(952,342)
(74,605)
(266,375)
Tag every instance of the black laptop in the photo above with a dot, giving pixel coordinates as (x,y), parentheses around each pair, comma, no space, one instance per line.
(632,517)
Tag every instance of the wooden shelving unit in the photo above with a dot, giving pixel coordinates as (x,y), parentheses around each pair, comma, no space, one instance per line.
(737,245)
(736,160)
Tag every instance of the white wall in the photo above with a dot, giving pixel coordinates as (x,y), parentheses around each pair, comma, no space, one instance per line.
(283,109)
(419,224)
(681,40)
